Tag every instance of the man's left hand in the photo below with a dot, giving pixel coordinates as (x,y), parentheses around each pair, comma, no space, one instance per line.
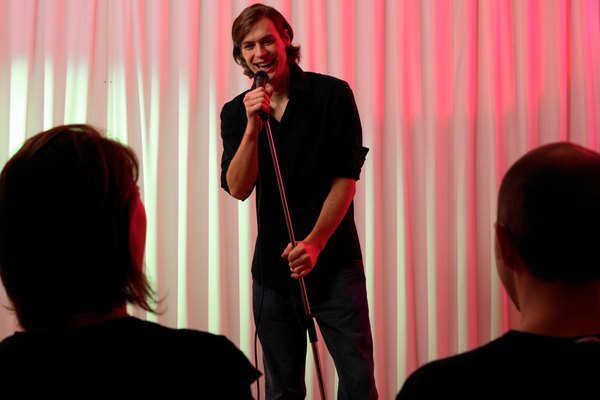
(302,258)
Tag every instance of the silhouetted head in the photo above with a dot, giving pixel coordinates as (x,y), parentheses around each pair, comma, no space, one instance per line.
(245,23)
(549,204)
(72,228)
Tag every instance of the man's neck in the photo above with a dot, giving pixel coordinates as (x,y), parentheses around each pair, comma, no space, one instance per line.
(91,318)
(556,309)
(281,86)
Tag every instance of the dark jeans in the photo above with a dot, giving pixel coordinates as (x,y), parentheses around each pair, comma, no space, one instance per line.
(343,318)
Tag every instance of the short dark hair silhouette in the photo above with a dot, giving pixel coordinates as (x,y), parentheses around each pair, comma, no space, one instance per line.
(549,202)
(65,202)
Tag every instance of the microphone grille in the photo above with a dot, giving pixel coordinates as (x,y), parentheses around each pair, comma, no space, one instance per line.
(260,79)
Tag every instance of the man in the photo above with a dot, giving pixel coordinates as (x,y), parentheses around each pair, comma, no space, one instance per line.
(72,238)
(547,238)
(318,137)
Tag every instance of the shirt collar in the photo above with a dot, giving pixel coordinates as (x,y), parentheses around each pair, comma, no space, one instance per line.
(298,81)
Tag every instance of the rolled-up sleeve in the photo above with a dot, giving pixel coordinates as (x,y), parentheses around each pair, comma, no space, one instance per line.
(233,123)
(348,153)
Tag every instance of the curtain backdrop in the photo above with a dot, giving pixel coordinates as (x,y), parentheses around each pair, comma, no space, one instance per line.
(450,93)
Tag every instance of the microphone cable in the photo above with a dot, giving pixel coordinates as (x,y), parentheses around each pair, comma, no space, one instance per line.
(257,319)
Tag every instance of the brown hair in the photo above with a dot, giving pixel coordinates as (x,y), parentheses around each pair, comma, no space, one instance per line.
(65,203)
(244,23)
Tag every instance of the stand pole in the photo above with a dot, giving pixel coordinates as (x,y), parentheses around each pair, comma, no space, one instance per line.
(310,323)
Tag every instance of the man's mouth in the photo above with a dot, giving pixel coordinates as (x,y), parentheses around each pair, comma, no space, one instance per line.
(266,66)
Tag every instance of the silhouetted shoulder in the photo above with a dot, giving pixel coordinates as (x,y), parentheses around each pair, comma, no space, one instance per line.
(516,365)
(132,355)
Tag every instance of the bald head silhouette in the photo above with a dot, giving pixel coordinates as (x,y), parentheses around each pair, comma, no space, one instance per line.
(549,204)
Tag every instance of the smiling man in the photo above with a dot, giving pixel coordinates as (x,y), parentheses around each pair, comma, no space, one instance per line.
(318,138)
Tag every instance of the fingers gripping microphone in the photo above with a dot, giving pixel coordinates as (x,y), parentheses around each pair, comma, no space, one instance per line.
(260,80)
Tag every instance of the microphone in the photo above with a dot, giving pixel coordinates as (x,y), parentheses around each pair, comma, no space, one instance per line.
(260,80)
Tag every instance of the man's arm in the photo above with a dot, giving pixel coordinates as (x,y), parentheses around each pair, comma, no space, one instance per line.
(243,169)
(303,257)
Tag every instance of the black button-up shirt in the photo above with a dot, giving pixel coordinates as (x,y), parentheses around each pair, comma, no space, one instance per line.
(318,138)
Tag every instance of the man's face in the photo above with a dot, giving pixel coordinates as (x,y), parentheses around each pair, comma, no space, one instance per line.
(264,49)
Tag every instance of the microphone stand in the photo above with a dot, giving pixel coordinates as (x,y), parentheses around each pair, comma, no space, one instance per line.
(310,323)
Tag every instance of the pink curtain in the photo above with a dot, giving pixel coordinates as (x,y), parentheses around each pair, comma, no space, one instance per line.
(450,93)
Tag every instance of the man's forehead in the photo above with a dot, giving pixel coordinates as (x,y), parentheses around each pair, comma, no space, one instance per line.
(263,28)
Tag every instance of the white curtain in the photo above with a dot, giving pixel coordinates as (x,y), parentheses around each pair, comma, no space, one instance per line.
(450,93)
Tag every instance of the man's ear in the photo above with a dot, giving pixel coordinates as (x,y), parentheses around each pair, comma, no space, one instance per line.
(508,263)
(286,38)
(505,249)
